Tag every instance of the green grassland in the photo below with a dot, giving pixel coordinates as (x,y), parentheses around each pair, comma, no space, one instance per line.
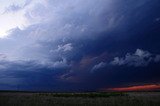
(80,99)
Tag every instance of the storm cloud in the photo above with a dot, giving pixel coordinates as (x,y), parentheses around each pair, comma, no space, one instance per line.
(78,44)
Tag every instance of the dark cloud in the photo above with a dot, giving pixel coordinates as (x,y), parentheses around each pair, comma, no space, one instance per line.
(68,40)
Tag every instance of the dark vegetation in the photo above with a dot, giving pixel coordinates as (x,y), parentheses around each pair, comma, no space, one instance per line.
(80,99)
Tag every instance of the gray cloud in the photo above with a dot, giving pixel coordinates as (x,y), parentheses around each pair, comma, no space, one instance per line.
(139,58)
(62,64)
(16,6)
(157,58)
(98,66)
(66,47)
(157,19)
(13,8)
(18,71)
(54,21)
(76,29)
(2,56)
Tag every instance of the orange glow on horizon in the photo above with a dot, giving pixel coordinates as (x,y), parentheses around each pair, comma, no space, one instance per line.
(136,88)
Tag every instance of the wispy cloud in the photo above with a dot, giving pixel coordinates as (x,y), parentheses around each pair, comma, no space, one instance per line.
(98,66)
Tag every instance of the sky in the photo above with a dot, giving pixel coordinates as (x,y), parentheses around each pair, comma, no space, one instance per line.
(79,45)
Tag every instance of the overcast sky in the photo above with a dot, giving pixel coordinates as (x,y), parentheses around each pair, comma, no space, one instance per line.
(79,45)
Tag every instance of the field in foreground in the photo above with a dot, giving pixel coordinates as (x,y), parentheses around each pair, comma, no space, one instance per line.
(80,99)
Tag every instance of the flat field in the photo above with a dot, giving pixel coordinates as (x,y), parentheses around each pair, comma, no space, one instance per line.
(80,99)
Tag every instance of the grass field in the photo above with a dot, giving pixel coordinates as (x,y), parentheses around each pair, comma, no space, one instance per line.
(80,99)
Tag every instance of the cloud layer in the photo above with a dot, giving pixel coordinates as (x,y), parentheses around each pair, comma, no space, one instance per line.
(78,44)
